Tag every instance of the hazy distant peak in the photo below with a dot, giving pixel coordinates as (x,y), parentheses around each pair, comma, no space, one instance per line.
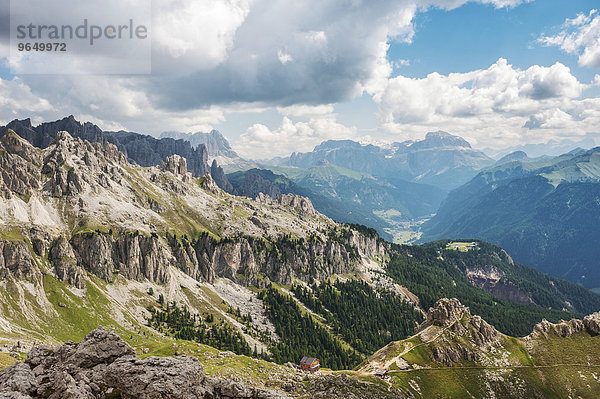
(520,156)
(215,142)
(333,144)
(442,139)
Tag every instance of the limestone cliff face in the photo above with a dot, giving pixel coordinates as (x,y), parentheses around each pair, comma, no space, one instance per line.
(245,260)
(16,261)
(62,258)
(136,257)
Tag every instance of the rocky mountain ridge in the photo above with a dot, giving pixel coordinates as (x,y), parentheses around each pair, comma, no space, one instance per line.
(143,150)
(476,360)
(95,182)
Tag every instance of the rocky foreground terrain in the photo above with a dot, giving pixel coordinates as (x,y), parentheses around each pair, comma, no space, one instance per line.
(451,343)
(105,366)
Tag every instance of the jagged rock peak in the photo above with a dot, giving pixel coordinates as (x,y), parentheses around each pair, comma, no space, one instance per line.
(446,312)
(103,365)
(208,184)
(64,144)
(175,164)
(218,175)
(74,164)
(14,144)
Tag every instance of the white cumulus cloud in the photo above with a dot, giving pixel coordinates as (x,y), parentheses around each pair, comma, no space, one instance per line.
(579,36)
(260,142)
(501,104)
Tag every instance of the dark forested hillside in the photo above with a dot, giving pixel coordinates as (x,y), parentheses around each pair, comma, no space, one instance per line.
(302,336)
(546,214)
(433,272)
(366,319)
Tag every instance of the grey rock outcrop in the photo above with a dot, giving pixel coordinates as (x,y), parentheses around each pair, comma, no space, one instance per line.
(134,256)
(176,165)
(218,175)
(446,312)
(62,258)
(104,366)
(465,336)
(450,313)
(16,261)
(19,166)
(564,329)
(208,184)
(592,322)
(302,204)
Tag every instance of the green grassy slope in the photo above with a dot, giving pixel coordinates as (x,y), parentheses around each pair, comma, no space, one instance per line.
(542,366)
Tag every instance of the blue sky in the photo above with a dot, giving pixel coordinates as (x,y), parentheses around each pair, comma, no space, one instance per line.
(474,36)
(275,76)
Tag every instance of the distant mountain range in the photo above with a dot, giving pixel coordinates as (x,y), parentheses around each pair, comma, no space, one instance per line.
(441,159)
(550,148)
(388,188)
(545,213)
